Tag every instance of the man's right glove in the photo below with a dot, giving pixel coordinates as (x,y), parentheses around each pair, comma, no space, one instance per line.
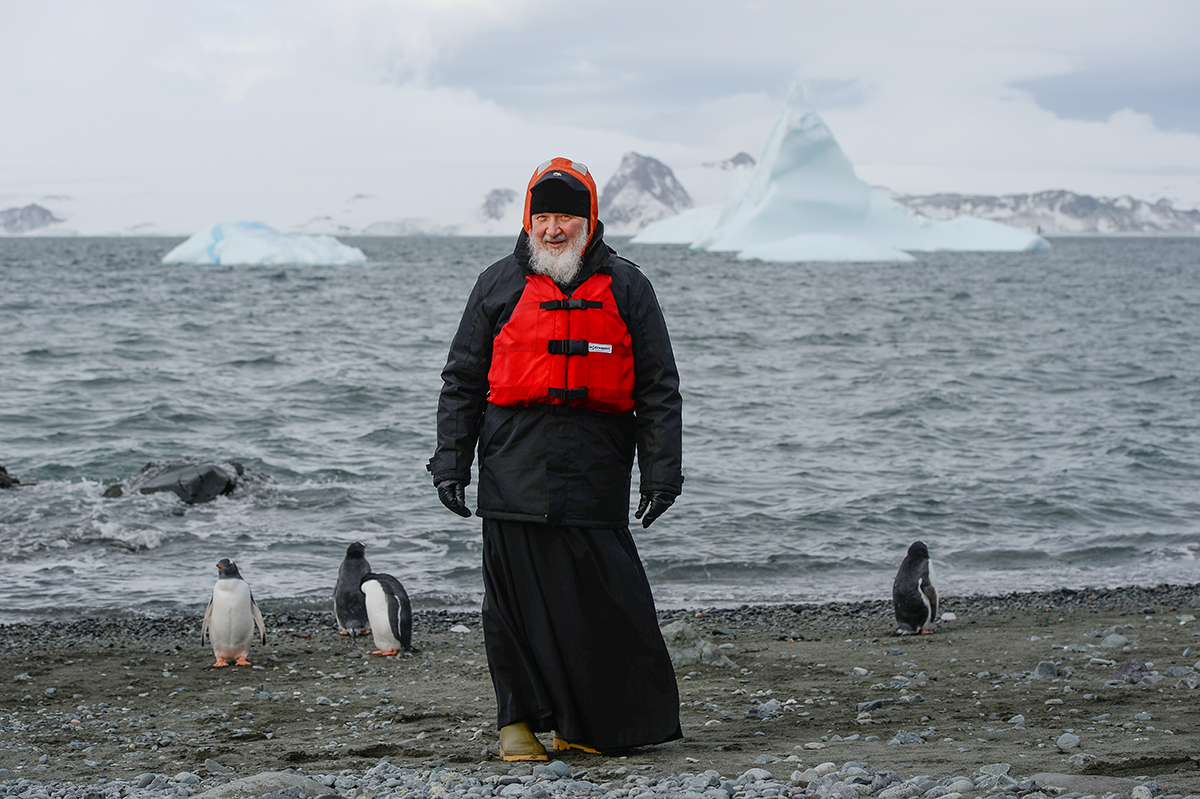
(453,494)
(652,504)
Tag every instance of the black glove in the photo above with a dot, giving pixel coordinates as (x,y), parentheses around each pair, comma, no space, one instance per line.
(653,504)
(453,494)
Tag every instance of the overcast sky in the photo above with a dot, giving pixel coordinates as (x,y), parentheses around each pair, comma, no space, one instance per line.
(184,113)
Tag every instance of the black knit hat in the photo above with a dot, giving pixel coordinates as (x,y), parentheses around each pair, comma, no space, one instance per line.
(560,193)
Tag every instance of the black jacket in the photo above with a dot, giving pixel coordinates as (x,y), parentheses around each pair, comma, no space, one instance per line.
(552,463)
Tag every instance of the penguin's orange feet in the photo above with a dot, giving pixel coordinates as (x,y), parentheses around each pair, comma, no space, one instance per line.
(926,632)
(220,662)
(343,632)
(242,662)
(381,652)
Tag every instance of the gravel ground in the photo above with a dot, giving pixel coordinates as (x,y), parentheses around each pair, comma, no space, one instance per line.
(1066,693)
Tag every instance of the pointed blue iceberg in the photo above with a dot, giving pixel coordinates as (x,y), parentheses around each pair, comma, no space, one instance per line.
(803,202)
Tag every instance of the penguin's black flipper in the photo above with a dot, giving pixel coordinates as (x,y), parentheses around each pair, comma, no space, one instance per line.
(256,614)
(929,592)
(399,610)
(207,621)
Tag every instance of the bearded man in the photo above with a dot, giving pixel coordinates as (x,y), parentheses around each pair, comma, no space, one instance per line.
(560,372)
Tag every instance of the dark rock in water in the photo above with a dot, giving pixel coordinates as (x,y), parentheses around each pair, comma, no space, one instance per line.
(6,480)
(191,482)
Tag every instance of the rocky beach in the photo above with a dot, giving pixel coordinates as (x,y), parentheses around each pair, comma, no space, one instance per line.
(1069,693)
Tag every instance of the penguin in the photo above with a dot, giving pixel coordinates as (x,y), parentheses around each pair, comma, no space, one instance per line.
(230,618)
(389,612)
(349,607)
(914,596)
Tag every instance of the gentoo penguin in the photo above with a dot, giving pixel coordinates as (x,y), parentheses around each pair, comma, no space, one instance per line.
(231,616)
(389,612)
(914,595)
(349,608)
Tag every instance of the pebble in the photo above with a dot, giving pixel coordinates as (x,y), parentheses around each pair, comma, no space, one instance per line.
(552,780)
(555,780)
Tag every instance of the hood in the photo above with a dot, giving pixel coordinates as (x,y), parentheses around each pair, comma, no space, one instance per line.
(573,173)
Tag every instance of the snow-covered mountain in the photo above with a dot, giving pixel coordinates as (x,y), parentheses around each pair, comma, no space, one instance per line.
(1061,213)
(23,220)
(497,203)
(641,191)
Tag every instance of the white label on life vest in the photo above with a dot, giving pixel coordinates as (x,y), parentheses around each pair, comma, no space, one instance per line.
(600,348)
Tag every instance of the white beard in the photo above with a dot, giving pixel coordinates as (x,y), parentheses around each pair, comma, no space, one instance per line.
(561,267)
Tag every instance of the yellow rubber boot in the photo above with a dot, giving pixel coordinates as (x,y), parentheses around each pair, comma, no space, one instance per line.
(517,742)
(561,745)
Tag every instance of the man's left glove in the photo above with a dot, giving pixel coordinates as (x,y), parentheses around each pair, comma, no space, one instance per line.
(652,505)
(453,494)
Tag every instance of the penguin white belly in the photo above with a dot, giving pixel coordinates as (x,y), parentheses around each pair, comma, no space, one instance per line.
(380,617)
(929,596)
(231,627)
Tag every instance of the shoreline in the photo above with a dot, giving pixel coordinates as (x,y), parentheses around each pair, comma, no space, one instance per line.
(116,698)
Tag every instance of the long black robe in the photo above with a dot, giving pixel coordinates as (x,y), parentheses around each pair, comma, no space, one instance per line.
(572,638)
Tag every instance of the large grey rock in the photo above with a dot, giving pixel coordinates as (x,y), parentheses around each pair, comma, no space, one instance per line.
(1067,741)
(264,783)
(1046,670)
(1131,671)
(687,648)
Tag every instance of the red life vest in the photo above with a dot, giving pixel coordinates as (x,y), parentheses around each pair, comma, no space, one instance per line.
(559,350)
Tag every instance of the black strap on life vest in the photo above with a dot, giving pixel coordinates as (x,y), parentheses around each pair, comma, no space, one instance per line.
(570,304)
(569,393)
(567,346)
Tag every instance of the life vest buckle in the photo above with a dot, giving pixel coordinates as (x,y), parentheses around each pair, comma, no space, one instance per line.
(568,394)
(570,304)
(567,346)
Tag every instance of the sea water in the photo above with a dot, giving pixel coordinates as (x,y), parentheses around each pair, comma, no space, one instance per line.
(1033,417)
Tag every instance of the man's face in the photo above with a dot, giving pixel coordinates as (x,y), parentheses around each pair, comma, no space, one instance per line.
(556,231)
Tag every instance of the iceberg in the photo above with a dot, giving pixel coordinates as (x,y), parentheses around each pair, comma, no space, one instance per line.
(253,243)
(804,202)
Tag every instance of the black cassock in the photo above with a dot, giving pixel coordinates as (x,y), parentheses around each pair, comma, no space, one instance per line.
(572,639)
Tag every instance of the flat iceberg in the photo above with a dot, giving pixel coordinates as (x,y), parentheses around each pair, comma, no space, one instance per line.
(804,202)
(253,243)
(822,247)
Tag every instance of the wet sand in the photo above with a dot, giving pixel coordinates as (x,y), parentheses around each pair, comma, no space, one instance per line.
(812,684)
